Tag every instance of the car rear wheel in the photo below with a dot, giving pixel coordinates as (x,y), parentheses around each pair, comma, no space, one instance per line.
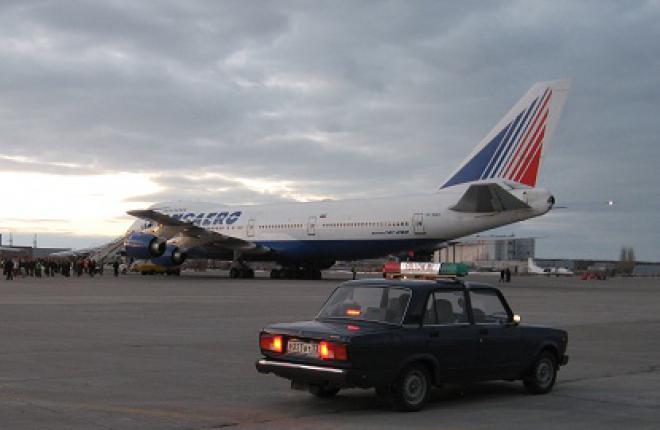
(411,390)
(542,377)
(323,391)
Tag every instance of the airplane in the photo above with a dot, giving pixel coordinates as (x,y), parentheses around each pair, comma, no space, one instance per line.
(494,186)
(11,249)
(84,252)
(100,252)
(533,269)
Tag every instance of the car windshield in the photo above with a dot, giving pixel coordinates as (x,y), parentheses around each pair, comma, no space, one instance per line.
(380,304)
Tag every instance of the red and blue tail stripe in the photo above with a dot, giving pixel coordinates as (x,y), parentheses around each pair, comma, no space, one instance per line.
(513,153)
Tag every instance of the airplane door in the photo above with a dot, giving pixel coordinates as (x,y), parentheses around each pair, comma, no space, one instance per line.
(250,228)
(311,226)
(418,223)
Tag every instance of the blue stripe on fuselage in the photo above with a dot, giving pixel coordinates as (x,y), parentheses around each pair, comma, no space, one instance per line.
(306,250)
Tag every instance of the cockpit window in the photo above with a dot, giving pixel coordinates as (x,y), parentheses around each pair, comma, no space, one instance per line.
(378,304)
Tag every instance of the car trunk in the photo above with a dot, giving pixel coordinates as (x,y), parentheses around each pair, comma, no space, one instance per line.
(301,339)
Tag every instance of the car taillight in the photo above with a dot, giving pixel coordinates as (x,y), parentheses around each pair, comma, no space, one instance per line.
(332,351)
(271,342)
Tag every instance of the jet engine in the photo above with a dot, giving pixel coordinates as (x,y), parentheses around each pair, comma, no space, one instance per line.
(144,245)
(173,256)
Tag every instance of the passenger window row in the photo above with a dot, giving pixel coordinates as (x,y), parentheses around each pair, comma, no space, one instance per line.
(367,224)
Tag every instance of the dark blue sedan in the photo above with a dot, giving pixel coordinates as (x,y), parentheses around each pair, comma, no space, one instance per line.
(403,337)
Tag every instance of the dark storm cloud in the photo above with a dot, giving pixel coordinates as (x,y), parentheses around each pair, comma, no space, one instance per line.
(340,99)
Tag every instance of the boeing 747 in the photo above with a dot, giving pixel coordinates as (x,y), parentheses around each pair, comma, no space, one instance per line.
(494,186)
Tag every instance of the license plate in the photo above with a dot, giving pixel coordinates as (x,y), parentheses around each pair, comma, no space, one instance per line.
(298,347)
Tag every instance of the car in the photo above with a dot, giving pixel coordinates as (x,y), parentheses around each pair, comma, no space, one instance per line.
(404,337)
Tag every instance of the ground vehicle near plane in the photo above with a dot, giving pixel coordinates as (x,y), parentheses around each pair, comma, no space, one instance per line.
(402,337)
(494,186)
(122,269)
(149,268)
(422,270)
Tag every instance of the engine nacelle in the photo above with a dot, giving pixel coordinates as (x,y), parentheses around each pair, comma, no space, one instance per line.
(144,245)
(173,256)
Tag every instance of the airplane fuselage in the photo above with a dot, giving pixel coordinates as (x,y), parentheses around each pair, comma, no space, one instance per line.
(343,229)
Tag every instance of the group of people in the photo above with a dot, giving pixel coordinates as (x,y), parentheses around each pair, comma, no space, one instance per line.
(38,267)
(505,275)
(34,267)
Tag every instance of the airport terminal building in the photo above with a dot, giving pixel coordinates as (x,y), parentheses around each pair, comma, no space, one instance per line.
(489,252)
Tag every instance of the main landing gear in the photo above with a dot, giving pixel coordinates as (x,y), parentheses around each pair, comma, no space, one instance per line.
(295,272)
(241,270)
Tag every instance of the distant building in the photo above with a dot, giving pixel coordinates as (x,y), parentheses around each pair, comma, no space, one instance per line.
(28,251)
(480,249)
(646,270)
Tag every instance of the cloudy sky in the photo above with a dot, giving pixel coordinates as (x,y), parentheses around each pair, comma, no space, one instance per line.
(112,105)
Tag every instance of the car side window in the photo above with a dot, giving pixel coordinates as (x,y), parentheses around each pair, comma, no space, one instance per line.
(445,307)
(487,307)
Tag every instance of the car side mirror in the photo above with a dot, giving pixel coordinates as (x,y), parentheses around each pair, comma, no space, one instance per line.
(515,320)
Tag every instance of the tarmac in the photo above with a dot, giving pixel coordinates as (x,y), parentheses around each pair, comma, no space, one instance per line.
(161,352)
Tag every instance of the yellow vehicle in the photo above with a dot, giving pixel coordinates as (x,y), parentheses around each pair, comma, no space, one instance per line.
(149,268)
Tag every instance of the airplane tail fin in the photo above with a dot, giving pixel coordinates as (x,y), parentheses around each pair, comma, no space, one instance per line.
(512,150)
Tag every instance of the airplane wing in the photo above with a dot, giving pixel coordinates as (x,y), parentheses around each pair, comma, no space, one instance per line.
(184,229)
(487,198)
(158,217)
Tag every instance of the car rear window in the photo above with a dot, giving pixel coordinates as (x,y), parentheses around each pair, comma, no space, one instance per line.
(380,304)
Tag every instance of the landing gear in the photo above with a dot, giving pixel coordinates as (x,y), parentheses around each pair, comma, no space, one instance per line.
(241,270)
(295,272)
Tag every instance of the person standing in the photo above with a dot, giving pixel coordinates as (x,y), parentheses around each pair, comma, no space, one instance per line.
(115,267)
(507,273)
(9,269)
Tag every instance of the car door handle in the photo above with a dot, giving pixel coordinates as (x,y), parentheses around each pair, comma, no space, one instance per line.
(483,331)
(434,334)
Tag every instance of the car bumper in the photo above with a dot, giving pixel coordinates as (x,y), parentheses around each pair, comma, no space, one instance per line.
(564,360)
(307,373)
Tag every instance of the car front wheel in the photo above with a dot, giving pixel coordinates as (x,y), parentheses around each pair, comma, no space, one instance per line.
(542,377)
(412,388)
